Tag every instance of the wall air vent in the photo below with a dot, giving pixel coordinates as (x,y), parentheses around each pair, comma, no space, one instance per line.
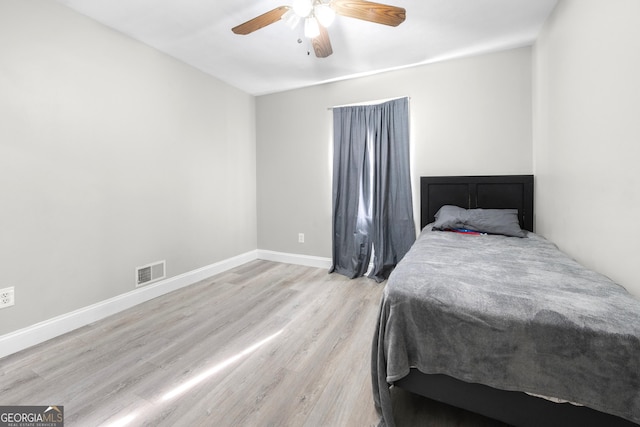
(150,273)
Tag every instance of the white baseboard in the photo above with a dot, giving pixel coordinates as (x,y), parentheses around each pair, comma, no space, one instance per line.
(51,328)
(59,325)
(307,260)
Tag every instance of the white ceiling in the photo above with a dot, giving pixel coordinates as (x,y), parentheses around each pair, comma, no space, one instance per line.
(269,60)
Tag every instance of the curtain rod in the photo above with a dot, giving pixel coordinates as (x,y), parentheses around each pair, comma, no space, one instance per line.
(378,101)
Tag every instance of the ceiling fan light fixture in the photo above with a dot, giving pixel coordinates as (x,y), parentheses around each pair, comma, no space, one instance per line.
(319,14)
(302,8)
(324,13)
(291,19)
(311,28)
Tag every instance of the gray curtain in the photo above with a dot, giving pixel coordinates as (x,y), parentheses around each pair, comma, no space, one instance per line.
(372,206)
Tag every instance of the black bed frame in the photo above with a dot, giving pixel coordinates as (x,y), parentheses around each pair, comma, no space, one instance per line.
(488,192)
(512,407)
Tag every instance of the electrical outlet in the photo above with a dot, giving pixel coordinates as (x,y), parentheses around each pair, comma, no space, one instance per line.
(7,297)
(300,237)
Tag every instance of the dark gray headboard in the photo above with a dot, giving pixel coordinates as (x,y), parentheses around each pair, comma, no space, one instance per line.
(488,192)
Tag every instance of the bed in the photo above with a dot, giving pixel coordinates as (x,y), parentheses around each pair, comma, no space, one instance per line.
(508,327)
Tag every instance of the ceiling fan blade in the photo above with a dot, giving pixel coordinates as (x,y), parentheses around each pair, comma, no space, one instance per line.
(260,21)
(322,44)
(370,11)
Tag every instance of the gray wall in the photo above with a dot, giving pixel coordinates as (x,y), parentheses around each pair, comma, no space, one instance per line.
(112,156)
(587,134)
(468,116)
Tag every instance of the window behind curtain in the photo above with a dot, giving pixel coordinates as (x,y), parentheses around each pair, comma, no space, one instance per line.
(372,204)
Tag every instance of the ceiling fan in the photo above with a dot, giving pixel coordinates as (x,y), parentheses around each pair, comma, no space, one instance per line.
(319,14)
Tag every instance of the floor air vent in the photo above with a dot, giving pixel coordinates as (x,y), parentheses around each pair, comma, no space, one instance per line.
(150,273)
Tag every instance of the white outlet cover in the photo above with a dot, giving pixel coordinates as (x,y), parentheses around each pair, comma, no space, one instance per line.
(7,297)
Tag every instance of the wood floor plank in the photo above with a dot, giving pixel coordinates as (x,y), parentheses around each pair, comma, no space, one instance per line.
(203,341)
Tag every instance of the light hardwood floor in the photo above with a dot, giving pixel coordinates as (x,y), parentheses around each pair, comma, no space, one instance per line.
(264,344)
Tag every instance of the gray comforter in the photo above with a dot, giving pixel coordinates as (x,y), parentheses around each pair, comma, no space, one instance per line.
(511,313)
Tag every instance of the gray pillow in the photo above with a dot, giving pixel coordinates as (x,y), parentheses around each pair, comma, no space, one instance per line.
(449,216)
(492,221)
